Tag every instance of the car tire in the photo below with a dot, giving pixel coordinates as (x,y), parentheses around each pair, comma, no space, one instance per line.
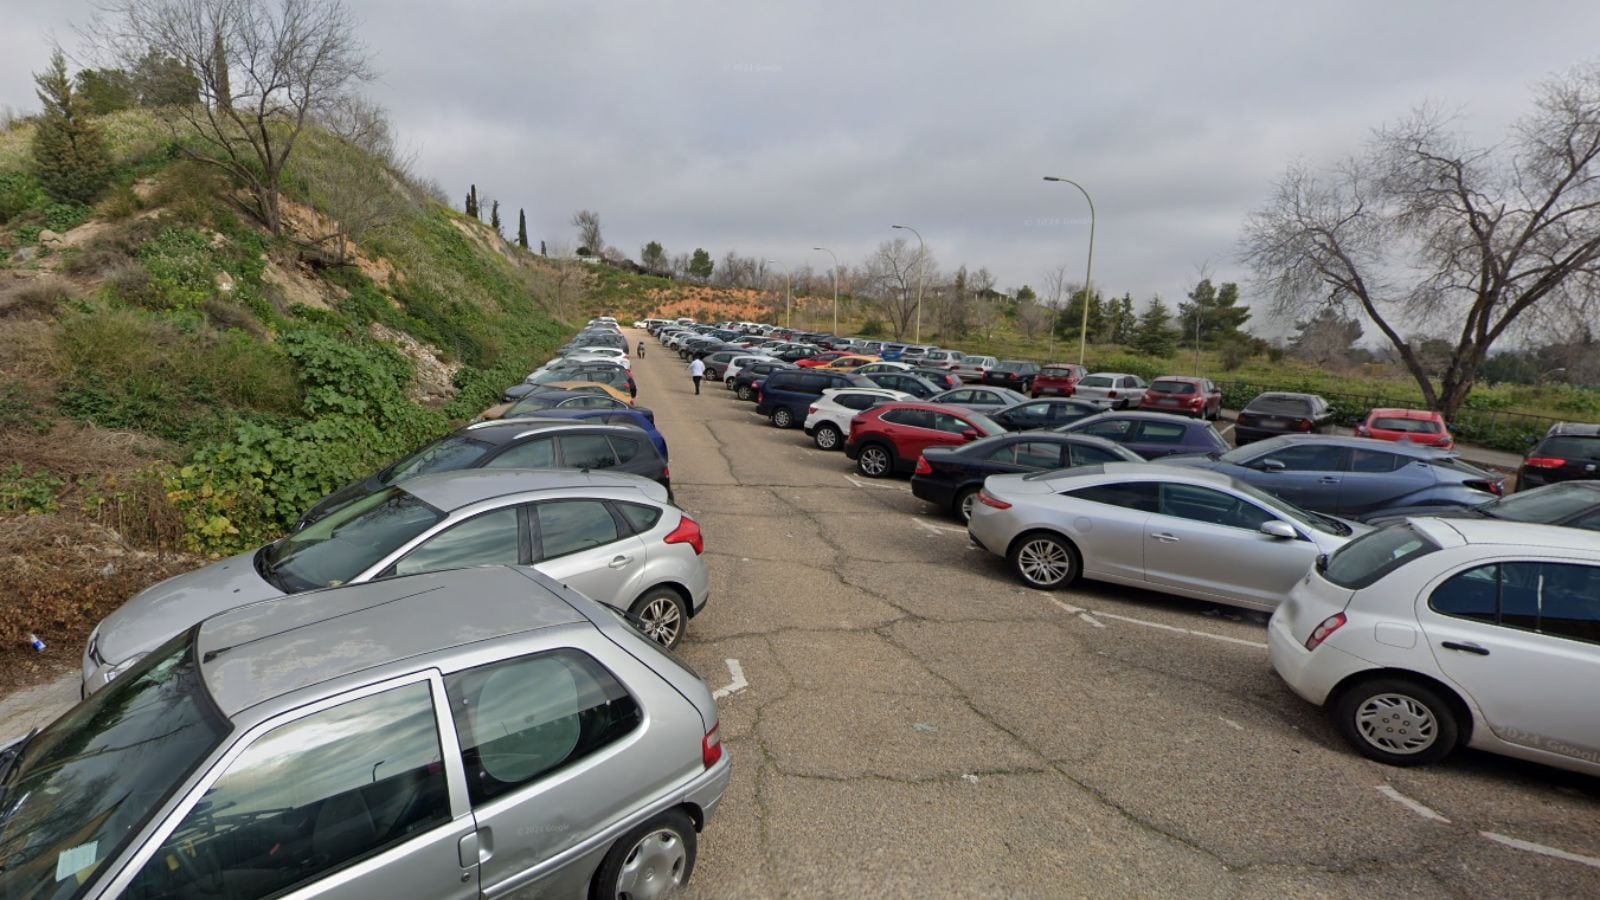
(745,392)
(828,437)
(664,616)
(1044,560)
(1398,721)
(875,461)
(963,503)
(655,859)
(728,382)
(782,418)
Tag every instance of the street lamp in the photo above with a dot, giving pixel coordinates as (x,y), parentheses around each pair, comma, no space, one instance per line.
(788,287)
(1083,329)
(835,287)
(921,255)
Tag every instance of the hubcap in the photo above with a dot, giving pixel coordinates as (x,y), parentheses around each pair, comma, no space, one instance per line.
(874,461)
(781,418)
(1044,561)
(1397,723)
(661,621)
(654,868)
(827,438)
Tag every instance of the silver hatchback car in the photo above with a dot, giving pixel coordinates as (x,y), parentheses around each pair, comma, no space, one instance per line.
(613,537)
(458,734)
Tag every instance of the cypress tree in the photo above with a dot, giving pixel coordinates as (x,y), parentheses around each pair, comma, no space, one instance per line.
(472,202)
(494,217)
(522,229)
(69,153)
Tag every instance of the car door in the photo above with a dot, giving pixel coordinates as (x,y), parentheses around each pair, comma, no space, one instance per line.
(1521,637)
(1306,475)
(1113,544)
(1207,544)
(581,543)
(1375,479)
(560,747)
(348,798)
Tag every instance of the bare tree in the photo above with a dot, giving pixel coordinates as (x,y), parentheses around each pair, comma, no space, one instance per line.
(363,193)
(891,274)
(1034,318)
(265,67)
(1424,229)
(587,222)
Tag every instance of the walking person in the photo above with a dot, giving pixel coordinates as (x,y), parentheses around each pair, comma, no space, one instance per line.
(641,349)
(697,371)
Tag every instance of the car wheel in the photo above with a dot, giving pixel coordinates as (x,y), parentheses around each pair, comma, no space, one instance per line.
(826,437)
(1045,561)
(1397,721)
(653,860)
(965,500)
(782,417)
(874,461)
(745,393)
(728,382)
(662,616)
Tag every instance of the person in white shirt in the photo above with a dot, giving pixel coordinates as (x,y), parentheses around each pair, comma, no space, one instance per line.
(697,371)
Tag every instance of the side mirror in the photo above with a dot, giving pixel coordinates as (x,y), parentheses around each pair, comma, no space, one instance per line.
(1272,465)
(1275,528)
(971,434)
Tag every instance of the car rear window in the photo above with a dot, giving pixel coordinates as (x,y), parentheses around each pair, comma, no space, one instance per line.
(1281,406)
(1368,558)
(1570,446)
(1094,381)
(1408,426)
(1172,387)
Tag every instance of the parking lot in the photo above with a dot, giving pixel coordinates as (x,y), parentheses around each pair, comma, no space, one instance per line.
(907,720)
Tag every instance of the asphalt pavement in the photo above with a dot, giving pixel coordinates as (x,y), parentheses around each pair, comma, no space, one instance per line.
(907,720)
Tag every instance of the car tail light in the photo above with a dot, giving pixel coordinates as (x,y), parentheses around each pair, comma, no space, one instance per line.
(922,466)
(711,747)
(1544,462)
(688,532)
(1111,395)
(1197,401)
(1325,630)
(811,411)
(1305,425)
(666,471)
(988,499)
(1494,486)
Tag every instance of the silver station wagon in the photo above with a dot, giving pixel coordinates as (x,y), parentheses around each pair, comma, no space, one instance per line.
(477,732)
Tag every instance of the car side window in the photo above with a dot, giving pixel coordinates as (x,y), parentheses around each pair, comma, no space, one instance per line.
(1114,429)
(625,449)
(1083,455)
(1006,454)
(1142,496)
(1374,461)
(537,454)
(1200,504)
(309,798)
(568,526)
(1570,601)
(1557,599)
(1039,455)
(1305,458)
(640,518)
(586,451)
(1589,522)
(1473,594)
(854,401)
(910,418)
(958,397)
(487,539)
(522,719)
(1161,432)
(950,424)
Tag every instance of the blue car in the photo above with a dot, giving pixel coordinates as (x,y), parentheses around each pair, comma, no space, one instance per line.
(638,418)
(1152,435)
(1353,477)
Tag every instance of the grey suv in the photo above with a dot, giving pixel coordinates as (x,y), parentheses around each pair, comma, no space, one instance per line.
(457,734)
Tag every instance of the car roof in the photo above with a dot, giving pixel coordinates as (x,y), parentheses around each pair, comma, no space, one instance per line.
(1488,532)
(1149,471)
(267,649)
(1404,448)
(1143,415)
(453,490)
(1583,429)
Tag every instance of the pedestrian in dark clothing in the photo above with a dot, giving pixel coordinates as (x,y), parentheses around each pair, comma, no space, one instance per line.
(641,349)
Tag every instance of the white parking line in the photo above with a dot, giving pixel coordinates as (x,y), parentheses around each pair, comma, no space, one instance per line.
(887,487)
(1078,611)
(738,684)
(936,528)
(1411,804)
(1541,849)
(1231,723)
(1205,634)
(1224,431)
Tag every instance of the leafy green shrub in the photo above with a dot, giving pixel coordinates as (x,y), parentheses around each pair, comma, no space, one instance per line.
(32,494)
(17,411)
(1147,367)
(182,270)
(19,192)
(63,217)
(872,327)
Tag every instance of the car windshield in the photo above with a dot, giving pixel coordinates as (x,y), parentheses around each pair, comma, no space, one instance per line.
(444,455)
(1570,447)
(1545,505)
(81,787)
(1171,387)
(1279,406)
(1373,555)
(1409,426)
(333,550)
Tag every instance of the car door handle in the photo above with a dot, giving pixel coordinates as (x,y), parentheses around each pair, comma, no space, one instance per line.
(619,562)
(1465,648)
(1327,481)
(1165,538)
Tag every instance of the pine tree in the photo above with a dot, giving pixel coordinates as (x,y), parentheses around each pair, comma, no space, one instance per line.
(522,228)
(1218,313)
(1154,335)
(700,264)
(69,153)
(472,203)
(542,250)
(494,217)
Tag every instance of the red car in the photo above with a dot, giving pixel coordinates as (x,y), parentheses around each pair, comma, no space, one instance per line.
(889,438)
(1058,380)
(1418,426)
(821,359)
(1183,396)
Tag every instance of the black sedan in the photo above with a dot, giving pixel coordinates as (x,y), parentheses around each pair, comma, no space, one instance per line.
(1016,374)
(949,477)
(1048,413)
(1574,504)
(1275,413)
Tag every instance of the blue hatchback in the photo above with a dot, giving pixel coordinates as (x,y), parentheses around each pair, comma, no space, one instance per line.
(1152,435)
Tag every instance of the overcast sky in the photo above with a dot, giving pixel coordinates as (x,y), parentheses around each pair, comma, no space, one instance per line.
(772,128)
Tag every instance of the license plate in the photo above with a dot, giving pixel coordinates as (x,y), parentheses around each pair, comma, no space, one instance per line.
(1273,423)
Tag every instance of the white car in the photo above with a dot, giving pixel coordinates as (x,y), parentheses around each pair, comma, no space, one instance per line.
(739,362)
(1434,633)
(609,354)
(828,420)
(1111,390)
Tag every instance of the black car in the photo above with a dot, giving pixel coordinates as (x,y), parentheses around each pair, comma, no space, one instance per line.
(513,444)
(1016,374)
(1047,413)
(795,354)
(949,477)
(1275,413)
(941,378)
(905,382)
(786,395)
(607,373)
(744,382)
(1569,451)
(1574,504)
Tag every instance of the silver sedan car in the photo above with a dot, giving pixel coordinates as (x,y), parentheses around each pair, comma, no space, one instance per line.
(1195,534)
(613,537)
(481,732)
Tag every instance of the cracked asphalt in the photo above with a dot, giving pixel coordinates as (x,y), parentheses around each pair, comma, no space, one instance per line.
(918,724)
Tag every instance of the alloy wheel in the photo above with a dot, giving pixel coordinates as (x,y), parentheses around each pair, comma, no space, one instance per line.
(1044,562)
(827,438)
(873,462)
(661,621)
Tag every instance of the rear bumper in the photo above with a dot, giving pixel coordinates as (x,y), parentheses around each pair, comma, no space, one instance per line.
(1313,674)
(939,493)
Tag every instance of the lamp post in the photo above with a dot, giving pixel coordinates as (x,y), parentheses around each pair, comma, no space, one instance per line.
(1088,272)
(835,287)
(921,255)
(788,287)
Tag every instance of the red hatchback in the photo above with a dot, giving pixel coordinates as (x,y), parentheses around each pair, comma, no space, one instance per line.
(1418,426)
(1057,380)
(889,438)
(1197,398)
